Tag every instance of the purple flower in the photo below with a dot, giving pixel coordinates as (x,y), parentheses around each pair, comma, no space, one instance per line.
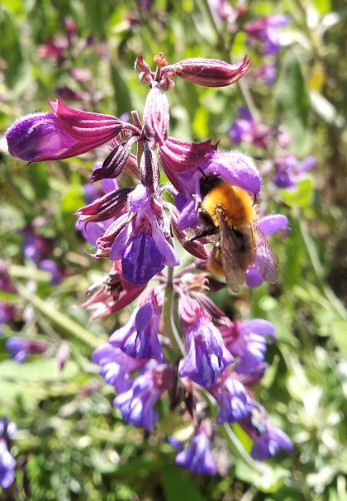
(288,169)
(264,266)
(267,439)
(7,428)
(265,30)
(247,341)
(116,366)
(234,403)
(269,443)
(198,457)
(35,246)
(139,337)
(246,129)
(7,461)
(175,442)
(141,243)
(207,356)
(63,133)
(53,269)
(20,348)
(7,466)
(266,72)
(136,404)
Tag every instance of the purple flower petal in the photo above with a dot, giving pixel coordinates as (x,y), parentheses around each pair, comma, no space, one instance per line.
(7,466)
(234,403)
(234,167)
(268,444)
(141,260)
(253,277)
(273,223)
(139,337)
(197,457)
(136,404)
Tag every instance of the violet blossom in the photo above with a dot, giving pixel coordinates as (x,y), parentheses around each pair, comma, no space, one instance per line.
(20,347)
(207,356)
(198,457)
(267,439)
(137,404)
(247,341)
(288,169)
(265,30)
(246,129)
(116,366)
(7,461)
(231,395)
(139,337)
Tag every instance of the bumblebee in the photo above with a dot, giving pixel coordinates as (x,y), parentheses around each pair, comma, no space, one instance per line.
(228,212)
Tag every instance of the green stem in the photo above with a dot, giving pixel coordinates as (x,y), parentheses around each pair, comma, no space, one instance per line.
(18,271)
(225,50)
(239,451)
(235,444)
(60,320)
(170,328)
(319,273)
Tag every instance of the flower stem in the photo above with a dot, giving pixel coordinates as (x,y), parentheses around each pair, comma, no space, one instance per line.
(169,323)
(319,273)
(59,319)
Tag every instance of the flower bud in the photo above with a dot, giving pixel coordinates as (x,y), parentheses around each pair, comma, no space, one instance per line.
(160,60)
(211,72)
(156,116)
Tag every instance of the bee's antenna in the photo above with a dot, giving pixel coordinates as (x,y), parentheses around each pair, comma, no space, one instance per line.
(202,172)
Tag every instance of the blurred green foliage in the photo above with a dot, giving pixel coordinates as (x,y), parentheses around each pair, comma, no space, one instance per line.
(76,445)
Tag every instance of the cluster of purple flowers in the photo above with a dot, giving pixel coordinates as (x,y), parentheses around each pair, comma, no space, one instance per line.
(65,49)
(207,353)
(7,461)
(39,249)
(288,168)
(263,34)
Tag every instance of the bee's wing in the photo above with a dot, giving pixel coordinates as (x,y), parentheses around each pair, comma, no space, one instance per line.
(265,260)
(230,254)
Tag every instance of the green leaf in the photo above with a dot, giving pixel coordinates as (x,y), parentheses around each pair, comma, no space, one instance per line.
(11,52)
(339,332)
(41,370)
(72,200)
(293,104)
(95,17)
(324,6)
(301,196)
(178,487)
(121,92)
(269,480)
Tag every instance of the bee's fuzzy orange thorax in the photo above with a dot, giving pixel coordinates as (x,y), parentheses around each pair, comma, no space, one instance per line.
(236,203)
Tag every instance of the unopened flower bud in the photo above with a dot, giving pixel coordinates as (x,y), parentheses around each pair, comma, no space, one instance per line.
(156,116)
(146,78)
(160,60)
(141,65)
(211,72)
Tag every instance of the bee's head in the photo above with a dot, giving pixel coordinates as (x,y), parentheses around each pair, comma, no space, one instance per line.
(207,183)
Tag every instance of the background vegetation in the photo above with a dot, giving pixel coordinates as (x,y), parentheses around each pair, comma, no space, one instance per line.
(73,441)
